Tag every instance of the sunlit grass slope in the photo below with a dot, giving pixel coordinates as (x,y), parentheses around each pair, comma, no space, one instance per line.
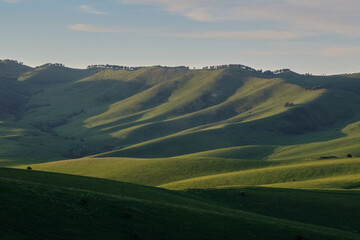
(161,112)
(297,172)
(80,210)
(149,171)
(316,120)
(209,172)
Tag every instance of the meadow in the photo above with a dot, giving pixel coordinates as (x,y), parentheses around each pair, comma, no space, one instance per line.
(172,153)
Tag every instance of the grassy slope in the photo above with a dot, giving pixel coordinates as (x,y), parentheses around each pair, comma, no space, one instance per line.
(85,214)
(337,209)
(231,124)
(292,166)
(208,172)
(13,97)
(149,171)
(10,69)
(279,174)
(305,123)
(51,108)
(166,112)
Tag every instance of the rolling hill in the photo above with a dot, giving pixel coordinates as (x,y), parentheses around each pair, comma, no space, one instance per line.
(224,152)
(158,111)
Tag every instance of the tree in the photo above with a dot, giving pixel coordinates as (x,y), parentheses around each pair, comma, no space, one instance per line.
(288,104)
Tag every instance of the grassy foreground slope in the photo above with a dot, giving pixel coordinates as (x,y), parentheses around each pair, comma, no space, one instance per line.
(330,208)
(205,172)
(311,165)
(279,174)
(82,213)
(149,171)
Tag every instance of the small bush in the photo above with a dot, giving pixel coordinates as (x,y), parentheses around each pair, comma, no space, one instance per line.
(29,168)
(349,156)
(288,104)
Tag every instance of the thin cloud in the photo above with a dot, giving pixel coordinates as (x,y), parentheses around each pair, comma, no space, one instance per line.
(340,51)
(262,35)
(102,29)
(91,28)
(265,35)
(91,10)
(276,52)
(11,1)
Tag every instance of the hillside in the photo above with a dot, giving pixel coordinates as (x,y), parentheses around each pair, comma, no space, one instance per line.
(158,111)
(12,69)
(157,152)
(86,208)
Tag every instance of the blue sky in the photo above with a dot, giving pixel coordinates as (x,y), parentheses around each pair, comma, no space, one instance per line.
(315,36)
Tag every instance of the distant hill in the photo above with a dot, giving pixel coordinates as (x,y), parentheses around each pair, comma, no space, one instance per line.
(165,112)
(12,68)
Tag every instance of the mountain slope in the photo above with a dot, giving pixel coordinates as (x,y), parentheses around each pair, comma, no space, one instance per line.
(165,112)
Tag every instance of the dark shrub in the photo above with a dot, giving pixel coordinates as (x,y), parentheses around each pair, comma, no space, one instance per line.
(288,104)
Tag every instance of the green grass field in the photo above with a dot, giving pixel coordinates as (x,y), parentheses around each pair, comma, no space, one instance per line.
(172,153)
(87,208)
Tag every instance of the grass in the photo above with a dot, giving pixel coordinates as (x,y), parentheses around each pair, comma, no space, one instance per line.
(334,209)
(157,112)
(208,172)
(296,172)
(11,69)
(149,171)
(246,166)
(125,214)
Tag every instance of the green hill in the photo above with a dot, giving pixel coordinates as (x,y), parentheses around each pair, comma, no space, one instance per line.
(12,69)
(86,208)
(251,154)
(158,111)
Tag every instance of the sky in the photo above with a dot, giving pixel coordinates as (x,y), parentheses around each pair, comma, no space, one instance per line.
(307,36)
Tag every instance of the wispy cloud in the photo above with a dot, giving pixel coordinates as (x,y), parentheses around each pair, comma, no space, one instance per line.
(11,1)
(102,29)
(266,35)
(91,10)
(340,51)
(277,52)
(92,28)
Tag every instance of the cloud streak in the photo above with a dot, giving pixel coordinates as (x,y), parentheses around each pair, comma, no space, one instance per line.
(265,35)
(91,28)
(11,1)
(101,29)
(91,10)
(340,52)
